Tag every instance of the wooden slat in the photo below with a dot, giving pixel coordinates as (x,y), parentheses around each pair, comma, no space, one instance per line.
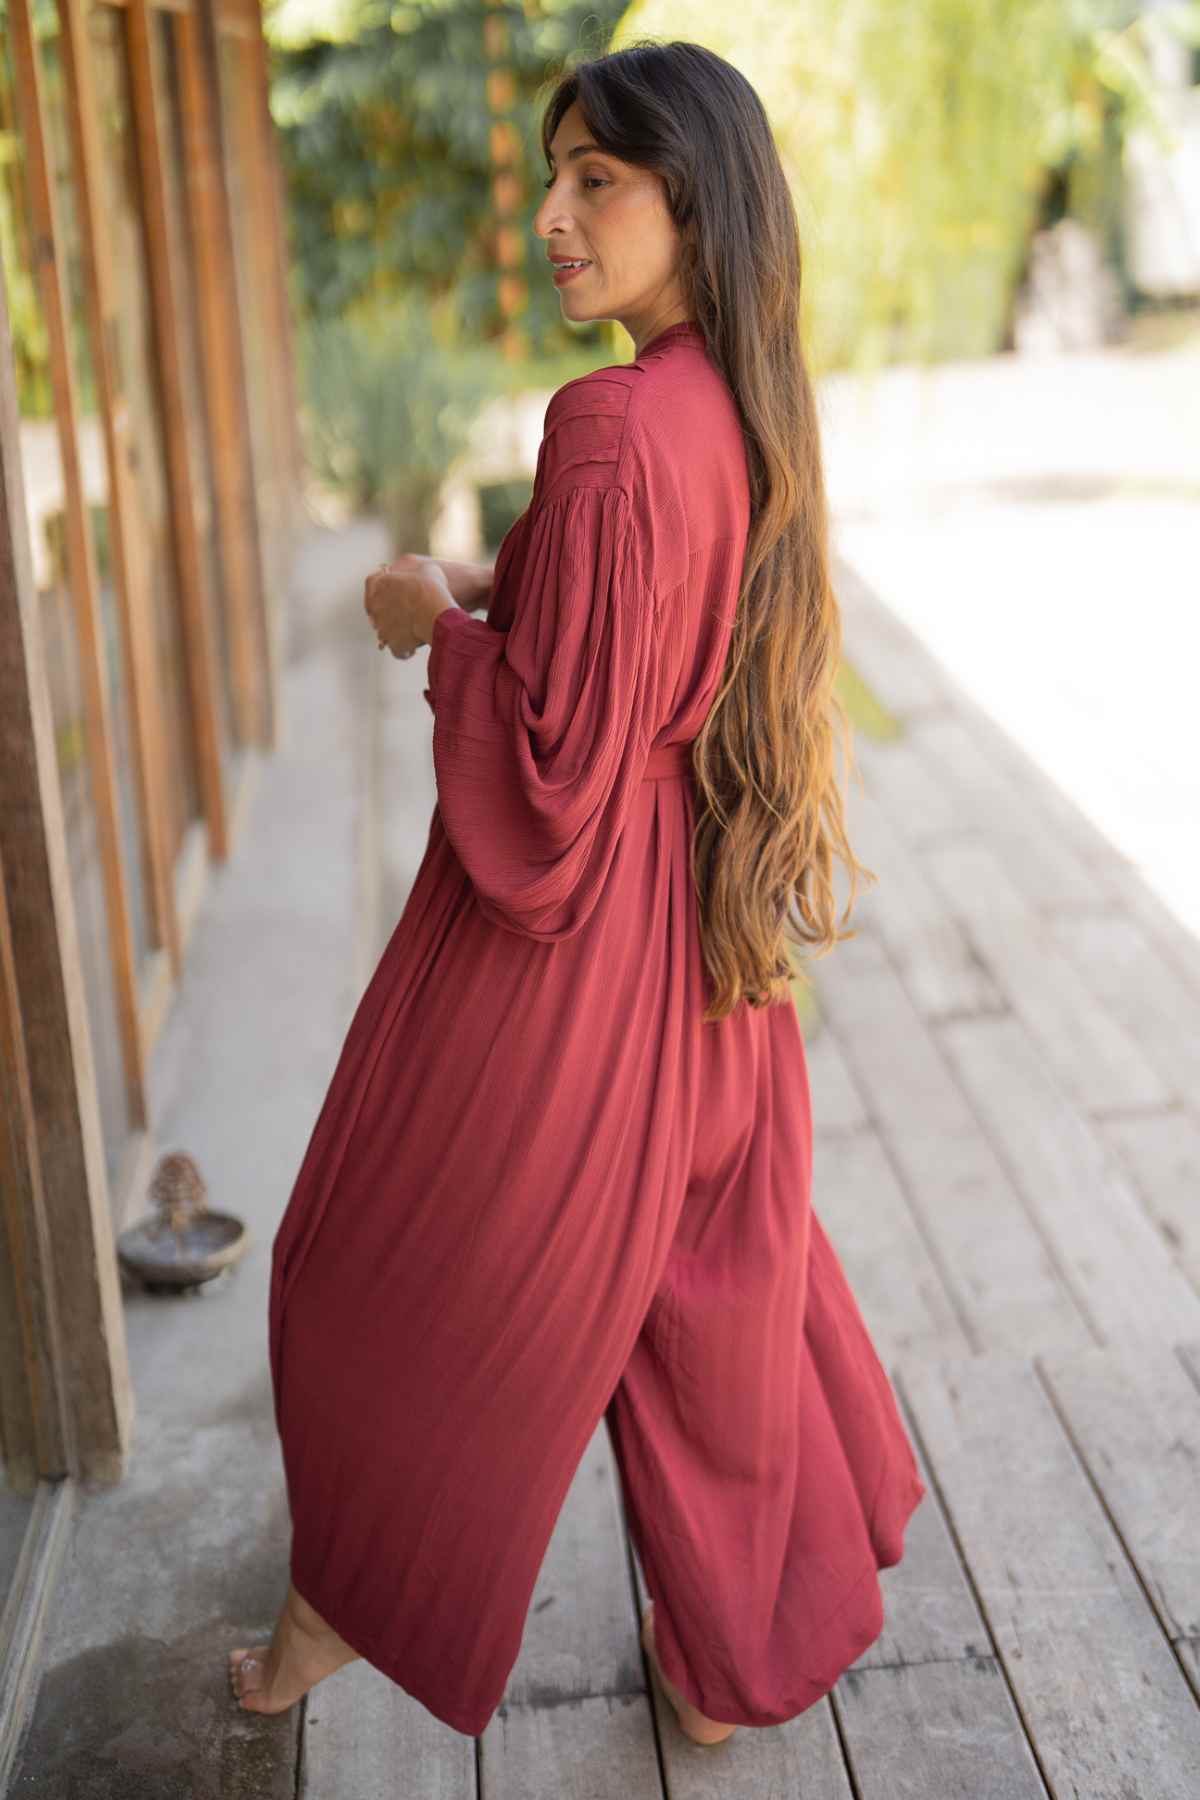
(1134,1416)
(1101,1693)
(365,1737)
(940,1731)
(1107,1251)
(1040,858)
(1117,962)
(34,1426)
(901,1288)
(929,949)
(600,1748)
(1008,1292)
(225,391)
(915,798)
(81,1323)
(1101,1065)
(162,261)
(1160,1153)
(886,653)
(580,1638)
(837,1105)
(925,1712)
(575,1717)
(129,560)
(229,123)
(82,574)
(243,124)
(1178,946)
(275,209)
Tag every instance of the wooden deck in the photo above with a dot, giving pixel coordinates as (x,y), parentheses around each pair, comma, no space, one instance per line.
(1006,1083)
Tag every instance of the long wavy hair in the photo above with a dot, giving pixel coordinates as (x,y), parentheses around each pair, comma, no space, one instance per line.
(769,813)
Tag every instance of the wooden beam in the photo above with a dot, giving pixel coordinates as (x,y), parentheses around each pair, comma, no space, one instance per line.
(225,389)
(129,559)
(61,1111)
(34,1425)
(199,648)
(276,211)
(223,134)
(240,113)
(81,566)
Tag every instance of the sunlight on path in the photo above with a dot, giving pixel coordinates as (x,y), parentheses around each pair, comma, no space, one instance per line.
(1037,524)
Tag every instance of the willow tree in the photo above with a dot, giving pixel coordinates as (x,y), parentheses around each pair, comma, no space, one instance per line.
(919,137)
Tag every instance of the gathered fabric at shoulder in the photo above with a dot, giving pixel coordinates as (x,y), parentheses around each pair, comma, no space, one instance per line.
(542,731)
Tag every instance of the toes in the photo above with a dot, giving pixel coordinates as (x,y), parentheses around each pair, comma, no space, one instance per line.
(245,1671)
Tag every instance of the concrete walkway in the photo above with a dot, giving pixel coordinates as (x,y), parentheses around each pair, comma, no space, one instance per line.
(1005,1065)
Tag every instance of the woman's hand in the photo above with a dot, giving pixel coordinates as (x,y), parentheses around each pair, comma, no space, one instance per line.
(469,582)
(402,600)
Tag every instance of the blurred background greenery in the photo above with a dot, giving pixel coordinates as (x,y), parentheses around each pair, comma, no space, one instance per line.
(927,141)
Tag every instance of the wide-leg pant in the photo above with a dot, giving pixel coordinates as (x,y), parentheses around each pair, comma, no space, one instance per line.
(764,1465)
(541,1193)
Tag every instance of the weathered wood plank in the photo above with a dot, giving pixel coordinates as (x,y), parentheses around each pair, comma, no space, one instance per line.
(936,1731)
(885,652)
(1039,790)
(1009,814)
(925,1711)
(906,1297)
(364,1736)
(1160,1153)
(1099,1688)
(916,798)
(1134,1417)
(575,1718)
(1106,1249)
(930,1615)
(837,1105)
(1180,946)
(934,957)
(1137,986)
(580,1636)
(1009,1292)
(583,1749)
(1098,1061)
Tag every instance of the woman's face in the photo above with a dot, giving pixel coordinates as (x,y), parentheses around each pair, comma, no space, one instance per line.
(615,215)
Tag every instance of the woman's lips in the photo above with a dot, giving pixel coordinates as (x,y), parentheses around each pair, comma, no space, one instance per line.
(562,276)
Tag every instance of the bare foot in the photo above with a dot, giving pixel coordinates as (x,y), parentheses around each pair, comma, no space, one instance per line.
(269,1678)
(692,1722)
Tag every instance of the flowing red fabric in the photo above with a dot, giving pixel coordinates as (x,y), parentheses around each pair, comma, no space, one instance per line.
(541,1191)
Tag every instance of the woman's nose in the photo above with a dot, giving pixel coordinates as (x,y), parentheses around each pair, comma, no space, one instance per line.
(551,215)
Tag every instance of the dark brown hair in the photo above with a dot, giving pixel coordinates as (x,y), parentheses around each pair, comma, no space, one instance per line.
(769,817)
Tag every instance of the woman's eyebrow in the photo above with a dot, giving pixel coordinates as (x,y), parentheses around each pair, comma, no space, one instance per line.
(577,150)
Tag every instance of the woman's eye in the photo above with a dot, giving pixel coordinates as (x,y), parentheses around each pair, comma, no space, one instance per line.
(599,180)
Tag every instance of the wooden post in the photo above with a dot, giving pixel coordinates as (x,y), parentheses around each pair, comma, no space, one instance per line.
(200,651)
(225,385)
(505,149)
(65,1204)
(81,567)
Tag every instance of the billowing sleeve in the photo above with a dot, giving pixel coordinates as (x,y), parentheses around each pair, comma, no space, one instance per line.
(541,733)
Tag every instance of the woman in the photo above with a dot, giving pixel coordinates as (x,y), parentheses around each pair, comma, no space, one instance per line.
(563,1168)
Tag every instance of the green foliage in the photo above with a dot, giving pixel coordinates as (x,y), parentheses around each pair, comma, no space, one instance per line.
(500,502)
(924,142)
(389,405)
(385,139)
(919,139)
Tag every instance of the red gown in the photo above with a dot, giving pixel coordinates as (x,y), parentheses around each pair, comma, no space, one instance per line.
(540,1191)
